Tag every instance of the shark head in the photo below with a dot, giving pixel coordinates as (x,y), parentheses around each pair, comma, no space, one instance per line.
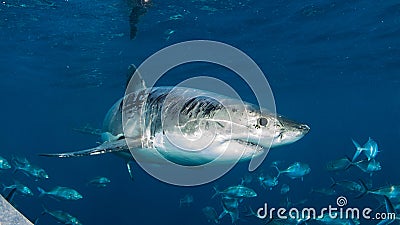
(283,130)
(255,129)
(195,127)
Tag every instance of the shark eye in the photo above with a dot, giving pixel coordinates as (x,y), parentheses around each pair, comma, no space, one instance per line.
(262,121)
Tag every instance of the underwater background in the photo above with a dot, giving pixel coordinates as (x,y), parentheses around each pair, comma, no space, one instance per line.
(334,65)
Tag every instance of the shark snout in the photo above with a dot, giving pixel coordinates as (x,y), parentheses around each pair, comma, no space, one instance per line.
(291,131)
(299,129)
(304,128)
(294,126)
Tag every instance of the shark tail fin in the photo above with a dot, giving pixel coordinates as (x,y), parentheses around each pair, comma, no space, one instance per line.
(365,189)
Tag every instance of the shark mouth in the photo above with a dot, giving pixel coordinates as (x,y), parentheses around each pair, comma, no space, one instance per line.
(250,144)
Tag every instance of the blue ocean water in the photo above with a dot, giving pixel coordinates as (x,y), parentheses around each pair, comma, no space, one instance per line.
(333,65)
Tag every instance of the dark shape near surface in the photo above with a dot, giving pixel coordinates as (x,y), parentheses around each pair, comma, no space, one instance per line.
(139,8)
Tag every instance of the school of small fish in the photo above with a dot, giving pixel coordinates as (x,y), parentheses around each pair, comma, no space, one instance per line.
(36,173)
(233,200)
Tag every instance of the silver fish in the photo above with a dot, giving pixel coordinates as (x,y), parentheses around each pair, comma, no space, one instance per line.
(268,182)
(390,212)
(296,170)
(392,191)
(247,179)
(186,200)
(339,164)
(61,193)
(211,215)
(369,166)
(289,204)
(370,149)
(238,191)
(230,206)
(334,219)
(61,217)
(4,164)
(347,185)
(99,181)
(22,164)
(285,189)
(20,188)
(324,191)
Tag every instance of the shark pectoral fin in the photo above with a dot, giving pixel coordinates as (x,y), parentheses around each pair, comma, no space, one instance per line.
(106,147)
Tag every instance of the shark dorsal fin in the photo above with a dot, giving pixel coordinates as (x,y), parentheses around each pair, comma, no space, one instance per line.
(134,81)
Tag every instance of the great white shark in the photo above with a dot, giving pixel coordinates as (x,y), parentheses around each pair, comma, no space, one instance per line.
(189,127)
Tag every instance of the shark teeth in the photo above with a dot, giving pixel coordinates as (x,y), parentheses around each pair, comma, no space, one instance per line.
(246,143)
